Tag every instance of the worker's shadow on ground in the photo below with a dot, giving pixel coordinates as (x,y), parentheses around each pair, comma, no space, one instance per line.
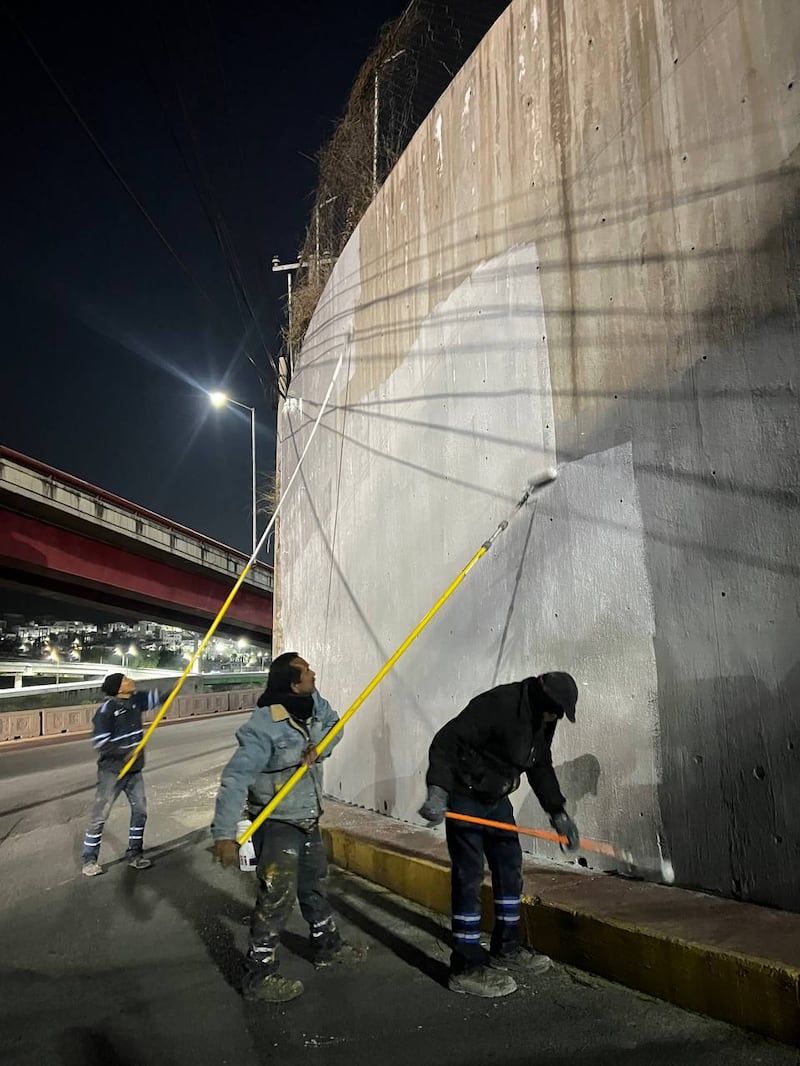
(179,878)
(385,918)
(216,902)
(82,1046)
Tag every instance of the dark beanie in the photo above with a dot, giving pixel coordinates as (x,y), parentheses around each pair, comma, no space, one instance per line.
(562,690)
(112,684)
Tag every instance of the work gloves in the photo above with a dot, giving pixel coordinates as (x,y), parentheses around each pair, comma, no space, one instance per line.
(226,852)
(565,827)
(434,808)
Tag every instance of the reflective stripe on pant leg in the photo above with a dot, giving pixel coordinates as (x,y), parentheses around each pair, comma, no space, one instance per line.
(108,788)
(276,847)
(465,844)
(134,790)
(312,883)
(504,855)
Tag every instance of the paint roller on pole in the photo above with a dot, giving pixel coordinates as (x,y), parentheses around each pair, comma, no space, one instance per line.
(239,581)
(533,486)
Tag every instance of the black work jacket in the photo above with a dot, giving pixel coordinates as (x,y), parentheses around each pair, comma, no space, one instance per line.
(499,735)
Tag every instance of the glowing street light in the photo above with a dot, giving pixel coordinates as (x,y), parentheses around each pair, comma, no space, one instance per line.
(124,655)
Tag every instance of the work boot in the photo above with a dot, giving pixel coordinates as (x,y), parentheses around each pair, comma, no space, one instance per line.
(343,954)
(521,960)
(92,869)
(328,948)
(490,984)
(139,862)
(269,988)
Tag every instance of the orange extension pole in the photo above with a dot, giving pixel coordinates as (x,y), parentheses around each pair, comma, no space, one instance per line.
(542,834)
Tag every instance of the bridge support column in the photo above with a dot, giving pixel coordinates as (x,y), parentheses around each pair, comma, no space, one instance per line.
(17,680)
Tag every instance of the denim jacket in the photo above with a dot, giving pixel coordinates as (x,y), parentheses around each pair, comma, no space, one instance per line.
(271,744)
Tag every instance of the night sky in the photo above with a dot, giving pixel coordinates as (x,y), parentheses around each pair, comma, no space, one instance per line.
(204,108)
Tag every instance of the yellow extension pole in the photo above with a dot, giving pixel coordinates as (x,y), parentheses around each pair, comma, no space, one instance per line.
(248,566)
(384,670)
(179,685)
(351,710)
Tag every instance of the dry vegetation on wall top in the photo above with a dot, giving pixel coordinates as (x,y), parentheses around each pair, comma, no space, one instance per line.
(415,59)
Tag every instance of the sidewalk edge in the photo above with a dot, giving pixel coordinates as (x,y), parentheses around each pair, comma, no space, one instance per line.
(744,991)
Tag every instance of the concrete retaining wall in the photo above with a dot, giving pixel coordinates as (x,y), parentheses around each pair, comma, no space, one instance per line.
(590,255)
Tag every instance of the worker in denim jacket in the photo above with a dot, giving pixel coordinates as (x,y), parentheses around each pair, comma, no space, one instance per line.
(282,734)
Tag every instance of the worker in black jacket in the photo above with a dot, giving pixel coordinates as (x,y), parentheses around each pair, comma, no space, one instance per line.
(475,762)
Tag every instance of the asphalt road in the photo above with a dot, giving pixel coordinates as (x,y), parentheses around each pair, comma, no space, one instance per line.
(132,969)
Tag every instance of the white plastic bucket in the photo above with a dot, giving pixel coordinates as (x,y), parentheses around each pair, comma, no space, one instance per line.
(247,853)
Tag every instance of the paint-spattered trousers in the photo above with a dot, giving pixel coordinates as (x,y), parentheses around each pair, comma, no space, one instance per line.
(291,864)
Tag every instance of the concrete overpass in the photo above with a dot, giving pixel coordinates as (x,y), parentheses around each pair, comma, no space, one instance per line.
(64,537)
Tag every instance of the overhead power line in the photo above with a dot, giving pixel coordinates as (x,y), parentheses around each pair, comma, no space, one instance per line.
(106,158)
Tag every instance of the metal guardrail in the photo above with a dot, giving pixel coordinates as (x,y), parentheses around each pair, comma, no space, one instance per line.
(207,680)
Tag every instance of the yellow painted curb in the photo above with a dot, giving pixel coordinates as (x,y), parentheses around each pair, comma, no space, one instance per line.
(748,992)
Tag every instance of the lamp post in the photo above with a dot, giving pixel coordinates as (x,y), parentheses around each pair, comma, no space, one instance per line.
(221,399)
(125,655)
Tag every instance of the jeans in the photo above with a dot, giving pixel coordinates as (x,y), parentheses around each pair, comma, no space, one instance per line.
(108,788)
(291,865)
(468,844)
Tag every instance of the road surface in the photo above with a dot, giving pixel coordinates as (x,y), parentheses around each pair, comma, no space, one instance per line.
(133,969)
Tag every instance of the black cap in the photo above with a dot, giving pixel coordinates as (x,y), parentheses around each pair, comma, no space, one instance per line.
(562,690)
(111,684)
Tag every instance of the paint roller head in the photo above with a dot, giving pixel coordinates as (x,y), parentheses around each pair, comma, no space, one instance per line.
(545,478)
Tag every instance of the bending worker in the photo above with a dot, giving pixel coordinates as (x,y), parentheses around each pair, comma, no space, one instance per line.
(282,733)
(475,762)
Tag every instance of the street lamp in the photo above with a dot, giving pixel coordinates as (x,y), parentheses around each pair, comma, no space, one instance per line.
(124,655)
(221,399)
(241,644)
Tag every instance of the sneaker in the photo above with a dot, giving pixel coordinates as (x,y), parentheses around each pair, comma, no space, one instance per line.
(92,869)
(490,984)
(343,954)
(270,989)
(139,862)
(522,960)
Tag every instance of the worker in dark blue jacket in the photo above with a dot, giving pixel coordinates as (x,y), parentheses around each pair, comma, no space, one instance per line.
(116,730)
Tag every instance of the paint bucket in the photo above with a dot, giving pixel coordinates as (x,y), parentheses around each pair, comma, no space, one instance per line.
(247,853)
